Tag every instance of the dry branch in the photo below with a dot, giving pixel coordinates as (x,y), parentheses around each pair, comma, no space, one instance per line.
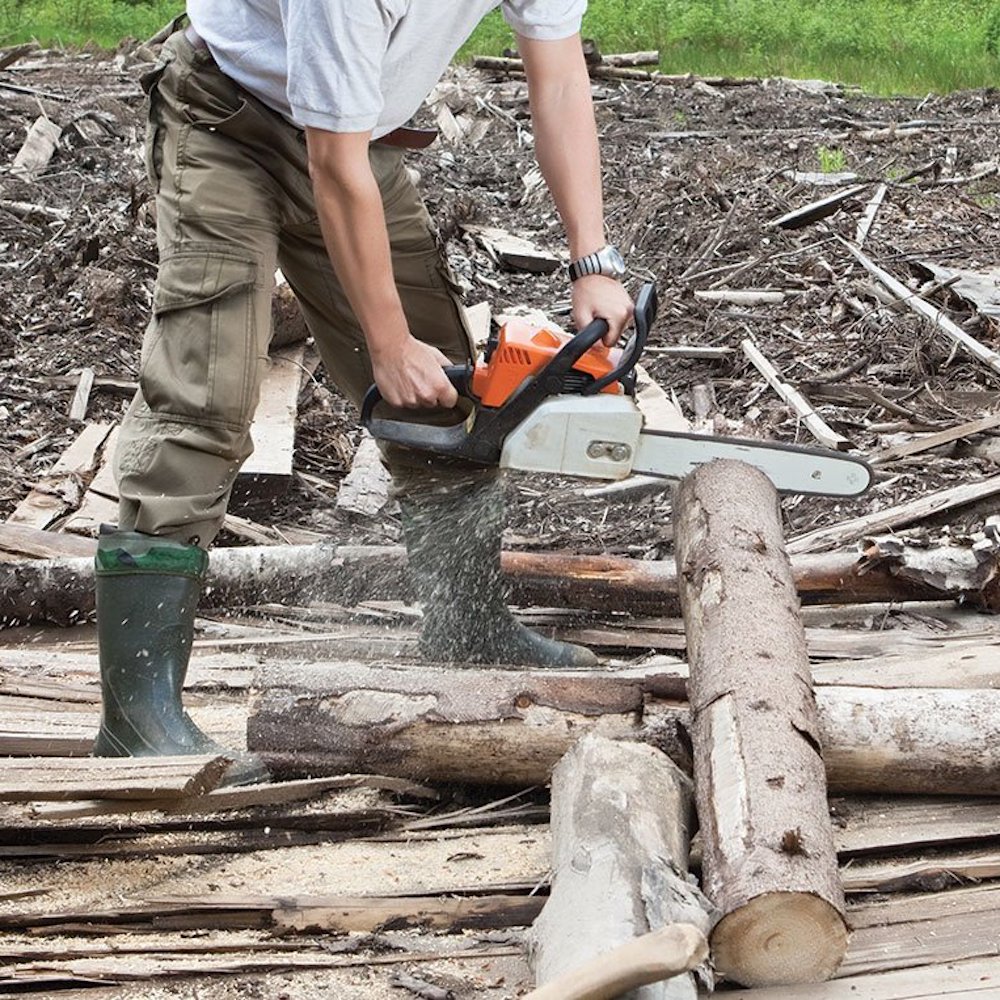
(933,315)
(814,423)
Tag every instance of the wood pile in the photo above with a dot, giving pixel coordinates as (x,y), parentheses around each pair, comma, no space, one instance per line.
(844,754)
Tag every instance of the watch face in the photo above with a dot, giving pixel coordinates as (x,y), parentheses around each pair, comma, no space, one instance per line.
(613,261)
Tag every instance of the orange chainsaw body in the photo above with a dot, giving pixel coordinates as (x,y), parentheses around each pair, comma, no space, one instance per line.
(520,349)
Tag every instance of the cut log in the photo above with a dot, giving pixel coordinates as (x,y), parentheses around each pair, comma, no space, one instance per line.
(622,817)
(62,590)
(508,727)
(768,857)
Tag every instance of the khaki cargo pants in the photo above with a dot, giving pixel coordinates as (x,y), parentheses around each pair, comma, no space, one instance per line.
(234,200)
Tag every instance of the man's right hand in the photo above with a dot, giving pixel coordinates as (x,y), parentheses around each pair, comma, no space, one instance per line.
(411,376)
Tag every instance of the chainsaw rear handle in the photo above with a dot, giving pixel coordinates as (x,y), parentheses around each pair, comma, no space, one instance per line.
(480,437)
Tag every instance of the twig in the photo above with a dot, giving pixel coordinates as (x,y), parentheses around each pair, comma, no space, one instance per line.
(813,422)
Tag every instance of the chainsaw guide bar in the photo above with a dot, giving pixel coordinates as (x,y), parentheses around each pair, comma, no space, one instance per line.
(545,401)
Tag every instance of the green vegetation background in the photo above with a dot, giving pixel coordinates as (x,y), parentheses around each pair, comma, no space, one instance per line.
(885,46)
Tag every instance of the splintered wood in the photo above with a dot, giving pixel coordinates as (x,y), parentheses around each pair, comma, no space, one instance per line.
(621,823)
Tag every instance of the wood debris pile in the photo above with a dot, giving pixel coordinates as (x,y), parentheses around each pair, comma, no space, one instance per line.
(827,267)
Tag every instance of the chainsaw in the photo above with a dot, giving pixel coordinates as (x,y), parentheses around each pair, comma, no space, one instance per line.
(546,401)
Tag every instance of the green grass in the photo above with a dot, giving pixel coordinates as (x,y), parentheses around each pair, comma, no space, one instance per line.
(103,23)
(884,46)
(831,161)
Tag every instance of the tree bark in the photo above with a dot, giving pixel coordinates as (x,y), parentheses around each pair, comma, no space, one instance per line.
(768,856)
(61,590)
(510,728)
(621,822)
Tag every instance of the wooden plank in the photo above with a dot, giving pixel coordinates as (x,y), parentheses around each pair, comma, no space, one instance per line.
(977,979)
(894,517)
(365,489)
(81,396)
(267,472)
(923,930)
(55,977)
(901,823)
(38,779)
(927,441)
(228,799)
(815,211)
(60,489)
(39,146)
(933,871)
(39,727)
(38,544)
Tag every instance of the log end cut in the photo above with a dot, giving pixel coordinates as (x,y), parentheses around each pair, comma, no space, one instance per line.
(780,939)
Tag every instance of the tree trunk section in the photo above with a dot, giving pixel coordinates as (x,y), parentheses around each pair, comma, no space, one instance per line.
(62,590)
(509,728)
(622,818)
(769,861)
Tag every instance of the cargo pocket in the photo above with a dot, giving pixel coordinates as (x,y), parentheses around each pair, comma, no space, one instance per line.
(432,301)
(199,357)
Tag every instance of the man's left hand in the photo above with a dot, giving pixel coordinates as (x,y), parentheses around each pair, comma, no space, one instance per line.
(597,296)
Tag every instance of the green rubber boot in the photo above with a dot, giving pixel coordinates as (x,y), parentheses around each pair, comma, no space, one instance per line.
(452,538)
(147,595)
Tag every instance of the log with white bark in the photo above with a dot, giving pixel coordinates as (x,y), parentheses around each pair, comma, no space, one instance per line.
(768,856)
(622,818)
(61,590)
(510,727)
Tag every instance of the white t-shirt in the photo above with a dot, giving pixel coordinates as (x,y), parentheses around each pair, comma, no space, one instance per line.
(356,65)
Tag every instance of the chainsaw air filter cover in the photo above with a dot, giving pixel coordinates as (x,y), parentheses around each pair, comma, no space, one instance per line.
(519,349)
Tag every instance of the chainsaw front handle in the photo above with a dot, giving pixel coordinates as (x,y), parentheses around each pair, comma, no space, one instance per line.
(480,437)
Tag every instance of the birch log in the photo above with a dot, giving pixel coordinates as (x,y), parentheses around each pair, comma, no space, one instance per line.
(769,861)
(622,818)
(61,590)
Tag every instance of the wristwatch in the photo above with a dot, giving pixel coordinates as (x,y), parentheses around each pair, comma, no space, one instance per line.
(607,261)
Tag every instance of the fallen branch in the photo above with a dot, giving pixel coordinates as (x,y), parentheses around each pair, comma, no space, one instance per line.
(931,313)
(813,422)
(61,590)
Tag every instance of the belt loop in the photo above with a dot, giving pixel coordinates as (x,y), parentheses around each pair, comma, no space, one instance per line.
(194,39)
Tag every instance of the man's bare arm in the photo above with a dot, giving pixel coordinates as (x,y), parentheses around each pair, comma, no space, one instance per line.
(568,154)
(407,371)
